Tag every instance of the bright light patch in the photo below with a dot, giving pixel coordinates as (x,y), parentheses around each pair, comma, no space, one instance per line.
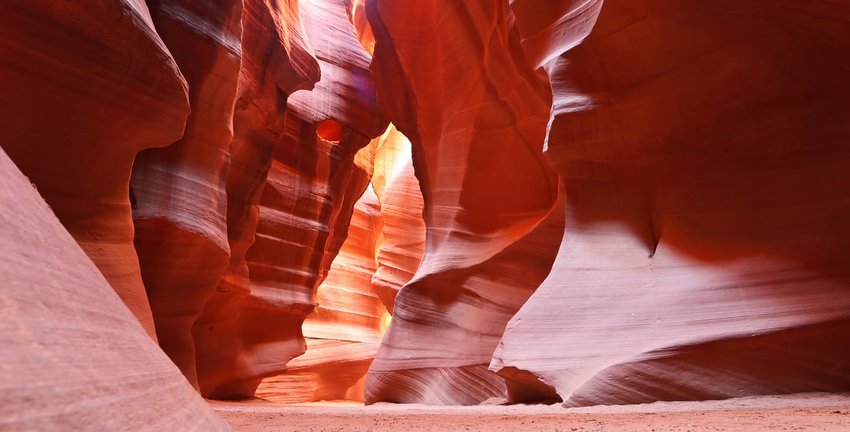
(386,319)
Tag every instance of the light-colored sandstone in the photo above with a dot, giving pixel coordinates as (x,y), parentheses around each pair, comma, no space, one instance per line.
(74,358)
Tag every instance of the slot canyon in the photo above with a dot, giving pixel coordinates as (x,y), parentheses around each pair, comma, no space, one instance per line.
(437,215)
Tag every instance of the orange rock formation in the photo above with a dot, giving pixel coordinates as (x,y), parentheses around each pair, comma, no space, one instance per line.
(600,202)
(305,207)
(343,332)
(276,61)
(402,241)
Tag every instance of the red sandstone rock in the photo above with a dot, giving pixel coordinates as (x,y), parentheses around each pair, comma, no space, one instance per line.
(704,148)
(357,15)
(455,81)
(550,27)
(343,332)
(346,91)
(298,234)
(276,61)
(74,357)
(403,230)
(306,203)
(180,208)
(82,90)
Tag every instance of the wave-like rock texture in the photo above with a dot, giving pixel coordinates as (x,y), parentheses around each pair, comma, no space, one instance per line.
(344,331)
(82,91)
(548,28)
(179,207)
(455,80)
(358,18)
(704,149)
(276,61)
(402,230)
(74,357)
(307,200)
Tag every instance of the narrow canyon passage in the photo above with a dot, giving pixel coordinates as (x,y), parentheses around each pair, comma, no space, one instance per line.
(429,215)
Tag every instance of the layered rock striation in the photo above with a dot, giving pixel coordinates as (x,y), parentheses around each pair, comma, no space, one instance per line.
(228,169)
(402,237)
(704,151)
(344,331)
(454,79)
(82,91)
(305,204)
(179,197)
(277,60)
(74,357)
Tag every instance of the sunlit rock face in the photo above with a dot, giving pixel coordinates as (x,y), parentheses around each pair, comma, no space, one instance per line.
(82,90)
(276,61)
(74,357)
(305,205)
(343,332)
(358,18)
(180,199)
(704,149)
(402,241)
(454,79)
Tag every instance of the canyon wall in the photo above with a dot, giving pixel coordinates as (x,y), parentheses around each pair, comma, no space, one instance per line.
(306,203)
(704,149)
(599,202)
(277,60)
(383,248)
(211,86)
(179,206)
(82,90)
(343,332)
(454,79)
(402,238)
(74,357)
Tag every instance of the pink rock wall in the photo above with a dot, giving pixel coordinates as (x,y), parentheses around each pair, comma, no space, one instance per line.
(706,188)
(74,357)
(694,179)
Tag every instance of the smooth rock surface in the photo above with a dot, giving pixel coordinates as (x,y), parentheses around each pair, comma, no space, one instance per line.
(684,165)
(343,332)
(704,149)
(276,61)
(74,357)
(307,201)
(180,199)
(402,240)
(82,90)
(455,80)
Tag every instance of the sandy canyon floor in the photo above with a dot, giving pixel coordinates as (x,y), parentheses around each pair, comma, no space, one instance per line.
(802,412)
